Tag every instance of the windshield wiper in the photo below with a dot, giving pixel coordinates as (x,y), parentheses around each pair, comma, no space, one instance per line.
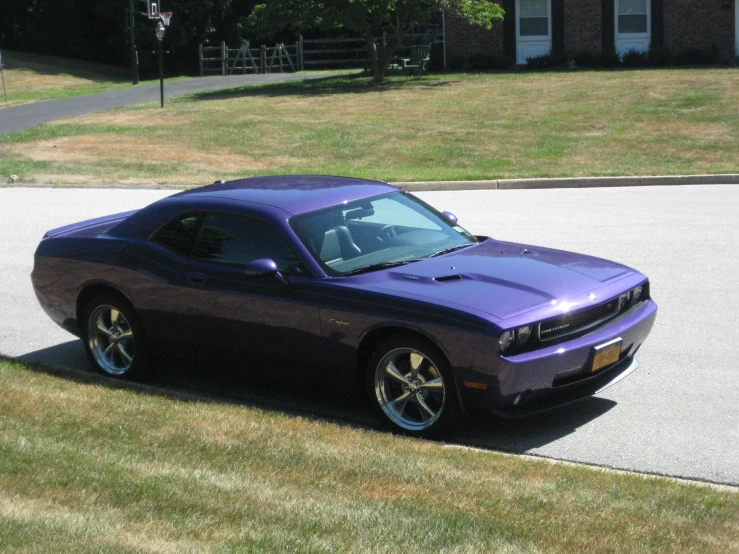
(381,265)
(447,250)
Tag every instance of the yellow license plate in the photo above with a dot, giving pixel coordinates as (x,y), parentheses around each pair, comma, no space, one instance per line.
(607,356)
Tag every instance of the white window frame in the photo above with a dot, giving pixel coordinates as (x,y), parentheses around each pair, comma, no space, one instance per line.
(533,39)
(736,27)
(633,36)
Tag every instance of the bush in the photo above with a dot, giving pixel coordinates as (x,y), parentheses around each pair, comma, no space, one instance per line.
(558,58)
(586,59)
(540,62)
(634,58)
(481,61)
(609,58)
(436,57)
(659,56)
(698,56)
(455,62)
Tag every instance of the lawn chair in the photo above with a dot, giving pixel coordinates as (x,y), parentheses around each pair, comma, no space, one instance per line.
(417,62)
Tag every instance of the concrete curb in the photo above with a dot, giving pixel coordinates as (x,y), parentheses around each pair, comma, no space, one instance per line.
(494,184)
(576,182)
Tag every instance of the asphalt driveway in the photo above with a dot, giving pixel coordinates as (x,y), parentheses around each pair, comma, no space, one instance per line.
(28,115)
(677,415)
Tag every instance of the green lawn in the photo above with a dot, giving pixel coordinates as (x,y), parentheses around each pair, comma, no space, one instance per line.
(85,467)
(438,127)
(32,77)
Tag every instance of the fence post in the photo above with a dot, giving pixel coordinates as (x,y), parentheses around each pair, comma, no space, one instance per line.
(384,39)
(301,67)
(223,58)
(282,51)
(200,59)
(263,58)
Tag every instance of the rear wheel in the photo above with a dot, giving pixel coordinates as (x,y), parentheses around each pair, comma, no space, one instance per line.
(114,340)
(410,387)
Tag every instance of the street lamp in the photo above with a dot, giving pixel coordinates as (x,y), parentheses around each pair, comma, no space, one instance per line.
(160,37)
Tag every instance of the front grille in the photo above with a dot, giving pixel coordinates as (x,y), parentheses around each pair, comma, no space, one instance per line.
(577,322)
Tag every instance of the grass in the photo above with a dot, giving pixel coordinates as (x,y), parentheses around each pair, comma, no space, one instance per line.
(85,467)
(457,126)
(32,77)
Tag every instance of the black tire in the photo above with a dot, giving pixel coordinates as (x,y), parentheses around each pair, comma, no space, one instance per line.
(425,406)
(118,347)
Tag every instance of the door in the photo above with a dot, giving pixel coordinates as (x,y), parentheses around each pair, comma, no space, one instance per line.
(266,319)
(533,29)
(633,21)
(736,27)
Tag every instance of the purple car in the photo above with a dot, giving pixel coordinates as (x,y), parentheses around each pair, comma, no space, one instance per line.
(331,274)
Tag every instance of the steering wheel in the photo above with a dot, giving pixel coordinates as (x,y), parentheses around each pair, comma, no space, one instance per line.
(387,233)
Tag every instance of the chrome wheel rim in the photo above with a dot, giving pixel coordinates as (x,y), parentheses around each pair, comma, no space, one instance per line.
(409,389)
(111,339)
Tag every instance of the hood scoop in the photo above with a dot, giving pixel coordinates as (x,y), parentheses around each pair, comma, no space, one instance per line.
(448,278)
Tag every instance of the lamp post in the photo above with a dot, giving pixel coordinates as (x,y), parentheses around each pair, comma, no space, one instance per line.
(160,37)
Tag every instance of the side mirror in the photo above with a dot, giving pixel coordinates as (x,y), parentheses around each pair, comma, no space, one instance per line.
(450,216)
(264,267)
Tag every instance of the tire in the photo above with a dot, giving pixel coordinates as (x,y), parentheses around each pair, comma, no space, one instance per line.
(114,339)
(420,406)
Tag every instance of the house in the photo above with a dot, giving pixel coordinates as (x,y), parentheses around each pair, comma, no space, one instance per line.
(536,27)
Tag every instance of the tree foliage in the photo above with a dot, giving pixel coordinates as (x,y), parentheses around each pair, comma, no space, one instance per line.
(366,18)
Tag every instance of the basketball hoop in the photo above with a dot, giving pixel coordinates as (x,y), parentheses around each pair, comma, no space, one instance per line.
(164,16)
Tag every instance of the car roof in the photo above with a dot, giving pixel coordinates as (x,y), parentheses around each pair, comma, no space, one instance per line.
(295,194)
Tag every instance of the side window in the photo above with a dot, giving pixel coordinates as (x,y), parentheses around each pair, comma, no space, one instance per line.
(179,234)
(237,241)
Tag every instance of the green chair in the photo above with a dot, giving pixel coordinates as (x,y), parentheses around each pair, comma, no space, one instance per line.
(417,62)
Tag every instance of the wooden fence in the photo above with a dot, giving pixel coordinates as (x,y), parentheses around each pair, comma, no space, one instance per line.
(333,53)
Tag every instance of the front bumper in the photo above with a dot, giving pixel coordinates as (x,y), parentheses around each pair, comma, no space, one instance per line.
(544,379)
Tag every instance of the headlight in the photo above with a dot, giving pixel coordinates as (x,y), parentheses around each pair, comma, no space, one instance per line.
(506,340)
(637,293)
(523,334)
(624,299)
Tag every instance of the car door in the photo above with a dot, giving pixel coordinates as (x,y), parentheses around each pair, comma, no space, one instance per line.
(273,320)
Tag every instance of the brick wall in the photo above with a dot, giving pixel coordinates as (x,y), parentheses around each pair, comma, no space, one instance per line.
(700,24)
(687,24)
(464,38)
(583,26)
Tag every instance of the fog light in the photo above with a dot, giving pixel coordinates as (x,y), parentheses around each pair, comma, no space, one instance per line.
(506,340)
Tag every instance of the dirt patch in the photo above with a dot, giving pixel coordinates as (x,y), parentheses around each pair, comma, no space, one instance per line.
(137,118)
(87,148)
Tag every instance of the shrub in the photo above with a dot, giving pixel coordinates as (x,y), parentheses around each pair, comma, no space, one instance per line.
(558,58)
(698,56)
(479,61)
(436,57)
(659,56)
(634,58)
(539,62)
(501,62)
(586,59)
(609,58)
(455,62)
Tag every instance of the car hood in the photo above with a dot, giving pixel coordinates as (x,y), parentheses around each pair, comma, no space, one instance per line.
(499,278)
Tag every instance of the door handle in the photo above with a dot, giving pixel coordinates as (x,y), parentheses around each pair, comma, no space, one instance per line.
(195,278)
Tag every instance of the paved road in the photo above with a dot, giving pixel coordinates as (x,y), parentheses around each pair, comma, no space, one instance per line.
(27,115)
(677,415)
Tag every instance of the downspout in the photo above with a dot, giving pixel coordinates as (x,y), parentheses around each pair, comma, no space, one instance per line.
(443,34)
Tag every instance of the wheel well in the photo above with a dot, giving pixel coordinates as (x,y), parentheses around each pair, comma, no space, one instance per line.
(377,336)
(90,292)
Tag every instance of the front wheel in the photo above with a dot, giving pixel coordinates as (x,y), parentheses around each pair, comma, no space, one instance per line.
(114,340)
(411,388)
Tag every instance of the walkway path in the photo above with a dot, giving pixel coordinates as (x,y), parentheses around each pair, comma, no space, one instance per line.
(28,115)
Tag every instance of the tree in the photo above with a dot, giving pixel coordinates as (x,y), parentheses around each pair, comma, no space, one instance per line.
(366,17)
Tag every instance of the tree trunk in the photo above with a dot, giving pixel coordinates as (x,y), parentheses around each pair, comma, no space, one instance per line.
(381,57)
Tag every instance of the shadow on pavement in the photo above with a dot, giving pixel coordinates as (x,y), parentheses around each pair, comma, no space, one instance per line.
(209,377)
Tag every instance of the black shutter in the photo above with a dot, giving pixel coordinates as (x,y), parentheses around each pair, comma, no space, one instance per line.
(509,28)
(609,37)
(558,26)
(658,22)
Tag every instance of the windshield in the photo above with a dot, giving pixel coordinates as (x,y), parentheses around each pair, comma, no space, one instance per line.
(378,232)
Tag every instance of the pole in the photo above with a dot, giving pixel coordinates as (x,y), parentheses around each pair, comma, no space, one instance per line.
(200,57)
(2,74)
(161,73)
(132,40)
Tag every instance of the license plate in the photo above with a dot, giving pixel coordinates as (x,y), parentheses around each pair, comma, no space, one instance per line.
(606,354)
